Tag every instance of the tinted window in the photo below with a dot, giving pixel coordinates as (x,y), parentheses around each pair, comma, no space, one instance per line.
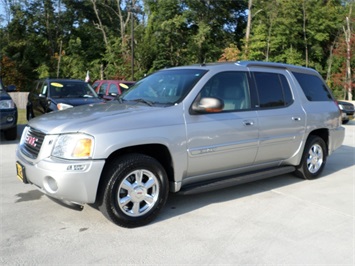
(313,87)
(69,89)
(38,87)
(273,90)
(103,88)
(286,90)
(113,89)
(231,87)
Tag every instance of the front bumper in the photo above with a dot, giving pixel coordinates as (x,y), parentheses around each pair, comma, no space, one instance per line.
(74,181)
(347,115)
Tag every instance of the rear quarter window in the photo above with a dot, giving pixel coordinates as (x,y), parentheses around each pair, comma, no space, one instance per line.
(313,87)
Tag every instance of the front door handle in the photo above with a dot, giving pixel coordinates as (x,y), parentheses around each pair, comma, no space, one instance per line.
(296,118)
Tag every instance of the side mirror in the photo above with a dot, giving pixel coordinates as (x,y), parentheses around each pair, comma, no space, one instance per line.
(208,105)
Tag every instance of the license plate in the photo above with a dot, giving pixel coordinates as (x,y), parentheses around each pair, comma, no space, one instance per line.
(21,172)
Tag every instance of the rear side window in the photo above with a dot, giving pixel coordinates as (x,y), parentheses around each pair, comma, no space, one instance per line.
(103,88)
(313,87)
(273,90)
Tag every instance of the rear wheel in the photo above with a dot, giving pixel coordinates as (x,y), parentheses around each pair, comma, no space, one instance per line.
(134,190)
(313,158)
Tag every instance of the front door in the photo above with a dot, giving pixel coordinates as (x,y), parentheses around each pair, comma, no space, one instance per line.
(223,143)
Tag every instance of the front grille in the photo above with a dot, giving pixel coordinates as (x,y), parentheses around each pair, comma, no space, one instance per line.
(33,143)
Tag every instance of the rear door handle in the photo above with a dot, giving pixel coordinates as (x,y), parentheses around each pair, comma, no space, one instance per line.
(248,123)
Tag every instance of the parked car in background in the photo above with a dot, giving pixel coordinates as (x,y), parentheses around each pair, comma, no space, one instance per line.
(109,89)
(347,110)
(8,113)
(49,95)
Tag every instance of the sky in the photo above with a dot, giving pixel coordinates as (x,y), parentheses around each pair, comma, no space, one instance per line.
(2,14)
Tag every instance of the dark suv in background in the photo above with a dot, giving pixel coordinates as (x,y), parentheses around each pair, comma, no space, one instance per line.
(49,95)
(347,110)
(8,113)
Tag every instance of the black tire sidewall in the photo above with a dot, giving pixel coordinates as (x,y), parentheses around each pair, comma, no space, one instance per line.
(11,133)
(121,168)
(302,170)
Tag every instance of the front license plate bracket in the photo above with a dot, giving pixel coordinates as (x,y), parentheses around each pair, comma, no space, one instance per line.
(21,174)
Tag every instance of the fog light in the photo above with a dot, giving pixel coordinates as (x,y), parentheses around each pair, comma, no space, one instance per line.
(50,184)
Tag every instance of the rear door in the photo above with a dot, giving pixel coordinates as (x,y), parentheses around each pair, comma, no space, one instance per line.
(281,117)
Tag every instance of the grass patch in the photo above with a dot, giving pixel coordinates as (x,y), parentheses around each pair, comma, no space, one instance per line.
(21,120)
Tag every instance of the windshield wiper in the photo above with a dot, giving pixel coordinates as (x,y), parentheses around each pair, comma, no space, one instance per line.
(119,99)
(140,100)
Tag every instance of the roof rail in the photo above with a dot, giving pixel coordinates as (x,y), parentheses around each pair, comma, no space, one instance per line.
(268,64)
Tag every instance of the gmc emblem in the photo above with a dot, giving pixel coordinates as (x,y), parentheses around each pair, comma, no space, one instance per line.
(31,141)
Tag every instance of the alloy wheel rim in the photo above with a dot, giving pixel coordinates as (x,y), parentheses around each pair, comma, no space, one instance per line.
(138,193)
(315,158)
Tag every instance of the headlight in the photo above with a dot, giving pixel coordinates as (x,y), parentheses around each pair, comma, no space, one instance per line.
(7,104)
(341,107)
(63,106)
(74,146)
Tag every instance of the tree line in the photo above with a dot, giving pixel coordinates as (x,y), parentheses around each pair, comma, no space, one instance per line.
(128,39)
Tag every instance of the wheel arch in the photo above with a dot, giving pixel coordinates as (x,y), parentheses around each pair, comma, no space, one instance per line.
(323,133)
(157,151)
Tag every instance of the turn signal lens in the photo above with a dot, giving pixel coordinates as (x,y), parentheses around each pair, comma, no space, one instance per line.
(82,148)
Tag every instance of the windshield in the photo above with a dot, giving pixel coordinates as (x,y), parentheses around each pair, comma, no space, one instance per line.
(164,87)
(69,89)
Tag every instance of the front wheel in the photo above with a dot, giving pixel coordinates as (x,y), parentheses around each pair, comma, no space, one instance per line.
(313,158)
(134,190)
(11,133)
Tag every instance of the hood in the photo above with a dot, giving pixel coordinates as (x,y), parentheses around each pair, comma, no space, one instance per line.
(92,118)
(4,95)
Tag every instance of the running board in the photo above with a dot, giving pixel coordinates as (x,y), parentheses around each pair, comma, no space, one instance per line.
(234,180)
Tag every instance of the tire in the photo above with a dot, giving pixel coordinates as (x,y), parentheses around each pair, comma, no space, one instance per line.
(345,122)
(313,158)
(11,133)
(133,191)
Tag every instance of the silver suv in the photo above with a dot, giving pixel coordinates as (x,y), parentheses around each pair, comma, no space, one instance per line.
(186,129)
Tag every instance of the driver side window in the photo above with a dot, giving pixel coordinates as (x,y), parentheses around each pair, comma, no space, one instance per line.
(230,87)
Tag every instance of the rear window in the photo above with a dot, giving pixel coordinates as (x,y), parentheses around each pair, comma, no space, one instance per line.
(313,87)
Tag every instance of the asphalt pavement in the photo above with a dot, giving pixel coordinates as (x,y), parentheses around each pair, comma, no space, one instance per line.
(278,221)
